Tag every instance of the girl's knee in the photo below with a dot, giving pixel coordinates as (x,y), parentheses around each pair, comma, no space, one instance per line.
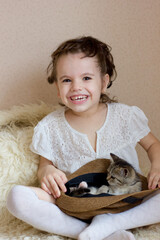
(16,199)
(13,194)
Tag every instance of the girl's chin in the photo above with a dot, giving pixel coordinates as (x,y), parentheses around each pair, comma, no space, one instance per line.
(78,109)
(81,110)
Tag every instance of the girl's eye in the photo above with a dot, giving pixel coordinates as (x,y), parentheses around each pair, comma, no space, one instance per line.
(66,80)
(86,78)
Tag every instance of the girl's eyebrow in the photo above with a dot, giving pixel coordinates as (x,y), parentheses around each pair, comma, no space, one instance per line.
(87,73)
(64,76)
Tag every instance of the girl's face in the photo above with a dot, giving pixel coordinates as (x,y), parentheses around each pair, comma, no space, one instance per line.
(79,82)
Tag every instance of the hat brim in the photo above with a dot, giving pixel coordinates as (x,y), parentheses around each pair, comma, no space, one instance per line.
(88,207)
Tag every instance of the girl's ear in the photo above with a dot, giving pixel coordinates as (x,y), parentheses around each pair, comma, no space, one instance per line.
(105,82)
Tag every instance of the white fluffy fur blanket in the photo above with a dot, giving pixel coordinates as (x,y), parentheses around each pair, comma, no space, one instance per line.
(18,165)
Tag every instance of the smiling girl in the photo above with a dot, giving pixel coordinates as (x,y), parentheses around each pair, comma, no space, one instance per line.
(89,126)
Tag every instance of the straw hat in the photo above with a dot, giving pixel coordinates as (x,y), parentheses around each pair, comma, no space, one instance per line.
(87,207)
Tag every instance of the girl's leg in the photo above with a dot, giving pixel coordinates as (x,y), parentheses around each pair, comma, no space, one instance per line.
(28,205)
(144,214)
(121,235)
(42,195)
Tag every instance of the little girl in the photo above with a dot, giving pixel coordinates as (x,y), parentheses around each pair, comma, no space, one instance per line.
(89,126)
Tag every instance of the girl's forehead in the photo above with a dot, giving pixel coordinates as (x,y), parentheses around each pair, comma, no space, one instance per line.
(75,61)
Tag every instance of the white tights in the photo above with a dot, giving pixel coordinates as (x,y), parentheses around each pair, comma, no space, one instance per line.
(24,204)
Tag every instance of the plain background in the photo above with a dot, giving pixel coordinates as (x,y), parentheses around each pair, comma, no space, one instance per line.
(31,29)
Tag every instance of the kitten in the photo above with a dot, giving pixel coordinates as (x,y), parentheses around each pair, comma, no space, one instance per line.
(121,177)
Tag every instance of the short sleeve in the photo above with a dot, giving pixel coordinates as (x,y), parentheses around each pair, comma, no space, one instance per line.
(40,142)
(138,124)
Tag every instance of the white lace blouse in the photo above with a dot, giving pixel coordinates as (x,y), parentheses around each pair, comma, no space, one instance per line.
(69,149)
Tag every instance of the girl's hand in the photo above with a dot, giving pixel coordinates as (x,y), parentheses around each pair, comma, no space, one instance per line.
(152,146)
(154,178)
(52,179)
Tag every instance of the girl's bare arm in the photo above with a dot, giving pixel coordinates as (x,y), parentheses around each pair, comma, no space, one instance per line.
(152,146)
(52,180)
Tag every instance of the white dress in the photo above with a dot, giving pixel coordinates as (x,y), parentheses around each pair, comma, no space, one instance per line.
(69,149)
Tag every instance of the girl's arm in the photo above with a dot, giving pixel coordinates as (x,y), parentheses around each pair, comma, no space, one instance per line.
(51,178)
(152,146)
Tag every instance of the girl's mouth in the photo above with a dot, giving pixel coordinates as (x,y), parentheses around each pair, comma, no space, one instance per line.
(78,99)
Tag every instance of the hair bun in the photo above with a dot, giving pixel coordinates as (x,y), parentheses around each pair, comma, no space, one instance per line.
(50,80)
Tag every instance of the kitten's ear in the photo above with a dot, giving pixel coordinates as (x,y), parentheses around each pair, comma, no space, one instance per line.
(124,172)
(114,157)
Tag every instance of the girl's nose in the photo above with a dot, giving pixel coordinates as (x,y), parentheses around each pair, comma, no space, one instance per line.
(76,86)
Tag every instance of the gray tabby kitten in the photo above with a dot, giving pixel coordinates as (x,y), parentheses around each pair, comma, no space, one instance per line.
(121,177)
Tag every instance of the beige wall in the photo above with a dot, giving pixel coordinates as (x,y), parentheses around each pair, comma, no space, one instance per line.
(30,30)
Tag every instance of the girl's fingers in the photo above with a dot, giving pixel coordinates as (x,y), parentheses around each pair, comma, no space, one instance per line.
(156,182)
(44,187)
(150,178)
(52,184)
(48,188)
(54,188)
(60,185)
(64,178)
(149,183)
(153,182)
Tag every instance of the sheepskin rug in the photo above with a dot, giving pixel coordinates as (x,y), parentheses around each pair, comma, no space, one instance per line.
(18,165)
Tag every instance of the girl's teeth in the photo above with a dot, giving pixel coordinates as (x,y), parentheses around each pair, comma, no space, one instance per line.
(79,98)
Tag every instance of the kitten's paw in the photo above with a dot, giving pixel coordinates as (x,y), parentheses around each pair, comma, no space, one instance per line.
(83,185)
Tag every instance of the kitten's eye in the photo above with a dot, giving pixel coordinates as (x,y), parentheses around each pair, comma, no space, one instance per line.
(118,180)
(87,78)
(112,177)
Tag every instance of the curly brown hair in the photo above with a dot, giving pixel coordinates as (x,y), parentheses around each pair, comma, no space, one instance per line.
(90,47)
